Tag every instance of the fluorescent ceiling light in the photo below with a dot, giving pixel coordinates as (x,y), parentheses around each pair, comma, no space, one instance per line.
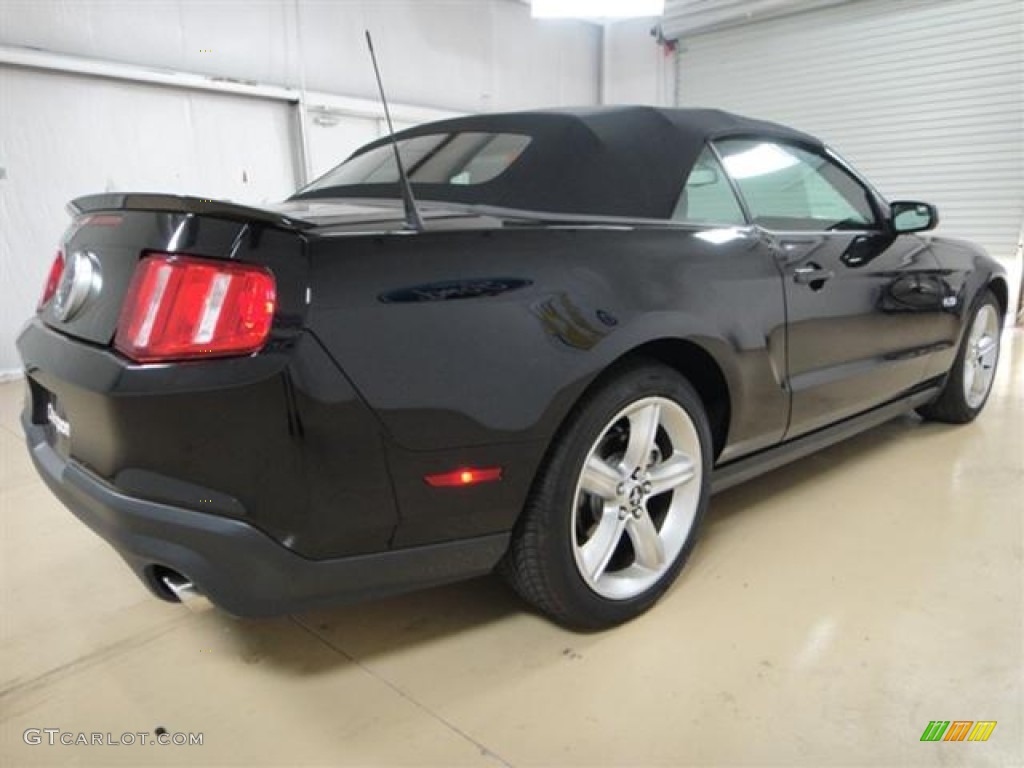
(758,161)
(595,9)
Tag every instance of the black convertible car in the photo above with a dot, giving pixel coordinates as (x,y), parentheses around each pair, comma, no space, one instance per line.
(584,323)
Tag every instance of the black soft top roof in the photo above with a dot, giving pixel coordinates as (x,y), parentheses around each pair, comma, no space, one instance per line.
(610,161)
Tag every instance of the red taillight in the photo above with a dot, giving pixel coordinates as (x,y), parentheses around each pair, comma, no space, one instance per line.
(181,307)
(52,280)
(463,477)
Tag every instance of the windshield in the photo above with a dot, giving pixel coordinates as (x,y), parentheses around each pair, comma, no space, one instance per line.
(457,159)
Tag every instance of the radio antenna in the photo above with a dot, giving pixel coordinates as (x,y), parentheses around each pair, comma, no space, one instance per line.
(413,220)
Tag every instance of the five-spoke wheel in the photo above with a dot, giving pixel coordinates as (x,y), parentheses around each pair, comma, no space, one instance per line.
(974,369)
(616,508)
(636,498)
(982,354)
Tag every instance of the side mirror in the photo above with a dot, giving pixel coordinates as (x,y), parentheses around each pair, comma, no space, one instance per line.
(911,216)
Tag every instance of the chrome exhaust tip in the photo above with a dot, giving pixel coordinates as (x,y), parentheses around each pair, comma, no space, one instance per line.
(185,591)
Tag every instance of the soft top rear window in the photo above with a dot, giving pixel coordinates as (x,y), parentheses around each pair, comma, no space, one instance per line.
(458,159)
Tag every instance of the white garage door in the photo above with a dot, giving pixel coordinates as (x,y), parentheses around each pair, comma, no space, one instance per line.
(926,98)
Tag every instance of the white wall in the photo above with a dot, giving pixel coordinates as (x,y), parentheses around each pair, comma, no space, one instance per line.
(66,135)
(464,55)
(637,69)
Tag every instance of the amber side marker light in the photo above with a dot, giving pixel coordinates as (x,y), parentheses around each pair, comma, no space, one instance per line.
(460,478)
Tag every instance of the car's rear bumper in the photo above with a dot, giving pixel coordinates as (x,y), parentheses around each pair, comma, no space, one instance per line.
(234,564)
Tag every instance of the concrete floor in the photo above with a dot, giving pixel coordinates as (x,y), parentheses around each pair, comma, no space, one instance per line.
(832,610)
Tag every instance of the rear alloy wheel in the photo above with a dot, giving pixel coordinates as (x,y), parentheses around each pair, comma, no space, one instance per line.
(970,380)
(636,498)
(616,511)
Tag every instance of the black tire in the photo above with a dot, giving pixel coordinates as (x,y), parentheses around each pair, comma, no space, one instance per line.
(952,405)
(541,563)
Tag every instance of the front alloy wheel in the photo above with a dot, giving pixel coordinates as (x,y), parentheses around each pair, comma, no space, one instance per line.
(615,510)
(980,358)
(970,380)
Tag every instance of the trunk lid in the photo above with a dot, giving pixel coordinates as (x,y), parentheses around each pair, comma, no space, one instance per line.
(111,233)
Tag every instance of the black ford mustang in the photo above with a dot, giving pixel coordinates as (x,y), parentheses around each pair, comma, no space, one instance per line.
(596,318)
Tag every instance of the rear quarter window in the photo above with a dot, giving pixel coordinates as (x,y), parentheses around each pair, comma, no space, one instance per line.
(459,159)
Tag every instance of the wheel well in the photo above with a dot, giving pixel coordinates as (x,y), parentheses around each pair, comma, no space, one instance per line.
(703,373)
(1001,292)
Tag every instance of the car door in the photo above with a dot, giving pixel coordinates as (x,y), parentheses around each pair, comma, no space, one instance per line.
(849,346)
(736,288)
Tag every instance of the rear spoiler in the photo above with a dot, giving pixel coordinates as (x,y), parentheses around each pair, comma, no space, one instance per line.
(132,201)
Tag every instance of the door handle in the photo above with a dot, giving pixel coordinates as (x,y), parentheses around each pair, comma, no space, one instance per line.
(811,274)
